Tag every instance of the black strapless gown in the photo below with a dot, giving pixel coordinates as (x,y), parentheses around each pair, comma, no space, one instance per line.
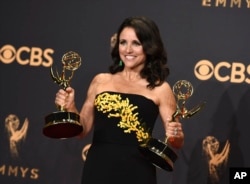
(114,157)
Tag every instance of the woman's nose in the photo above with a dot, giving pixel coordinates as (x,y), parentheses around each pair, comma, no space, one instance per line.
(128,48)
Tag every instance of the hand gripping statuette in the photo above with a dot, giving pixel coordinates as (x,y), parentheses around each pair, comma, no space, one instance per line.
(62,124)
(159,152)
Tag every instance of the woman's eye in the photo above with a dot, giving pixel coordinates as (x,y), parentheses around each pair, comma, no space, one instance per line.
(122,42)
(136,43)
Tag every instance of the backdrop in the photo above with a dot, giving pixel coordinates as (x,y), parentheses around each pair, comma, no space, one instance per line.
(207,43)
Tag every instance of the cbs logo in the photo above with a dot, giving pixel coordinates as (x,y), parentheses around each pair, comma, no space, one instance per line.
(223,71)
(33,56)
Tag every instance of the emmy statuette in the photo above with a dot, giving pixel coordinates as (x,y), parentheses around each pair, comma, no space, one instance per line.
(62,124)
(159,152)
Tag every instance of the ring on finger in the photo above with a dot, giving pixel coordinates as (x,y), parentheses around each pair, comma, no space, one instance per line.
(175,131)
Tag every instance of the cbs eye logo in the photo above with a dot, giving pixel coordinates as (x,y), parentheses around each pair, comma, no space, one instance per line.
(33,56)
(223,71)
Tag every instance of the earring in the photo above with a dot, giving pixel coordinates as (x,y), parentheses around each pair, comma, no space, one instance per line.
(120,63)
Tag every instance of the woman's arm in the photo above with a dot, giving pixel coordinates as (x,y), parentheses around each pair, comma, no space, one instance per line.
(167,107)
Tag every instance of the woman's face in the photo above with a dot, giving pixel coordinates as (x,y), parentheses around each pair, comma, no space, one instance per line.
(131,50)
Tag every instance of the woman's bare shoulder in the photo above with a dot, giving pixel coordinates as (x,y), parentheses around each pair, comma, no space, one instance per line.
(164,92)
(102,77)
(97,83)
(165,88)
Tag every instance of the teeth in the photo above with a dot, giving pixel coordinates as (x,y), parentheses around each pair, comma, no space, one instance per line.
(130,57)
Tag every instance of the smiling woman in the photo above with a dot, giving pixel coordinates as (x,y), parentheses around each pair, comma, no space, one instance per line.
(122,106)
(144,33)
(131,50)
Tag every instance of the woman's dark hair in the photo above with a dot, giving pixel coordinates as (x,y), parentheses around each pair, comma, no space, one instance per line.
(155,70)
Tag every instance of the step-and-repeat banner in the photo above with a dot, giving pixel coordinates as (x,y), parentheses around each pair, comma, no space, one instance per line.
(207,43)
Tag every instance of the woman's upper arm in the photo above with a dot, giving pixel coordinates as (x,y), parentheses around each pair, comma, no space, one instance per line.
(167,103)
(87,111)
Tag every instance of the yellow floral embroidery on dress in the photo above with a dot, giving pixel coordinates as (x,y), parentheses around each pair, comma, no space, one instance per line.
(106,103)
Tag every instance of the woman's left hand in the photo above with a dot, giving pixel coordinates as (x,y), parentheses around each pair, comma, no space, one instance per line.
(174,134)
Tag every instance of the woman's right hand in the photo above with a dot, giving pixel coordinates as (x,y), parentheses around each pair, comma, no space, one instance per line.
(65,99)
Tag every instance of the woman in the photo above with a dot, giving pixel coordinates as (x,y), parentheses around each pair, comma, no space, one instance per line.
(123,106)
